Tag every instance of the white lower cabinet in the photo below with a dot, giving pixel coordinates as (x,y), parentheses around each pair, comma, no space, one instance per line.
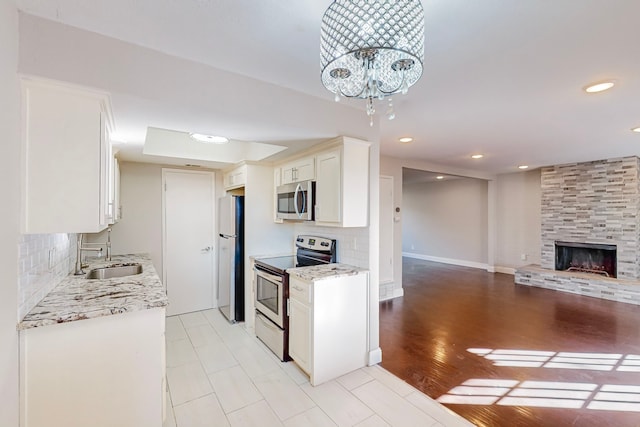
(101,372)
(328,325)
(300,333)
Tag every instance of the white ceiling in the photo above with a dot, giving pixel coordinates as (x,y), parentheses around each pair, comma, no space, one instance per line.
(503,78)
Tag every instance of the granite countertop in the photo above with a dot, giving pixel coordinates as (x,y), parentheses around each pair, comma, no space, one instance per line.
(77,298)
(325,271)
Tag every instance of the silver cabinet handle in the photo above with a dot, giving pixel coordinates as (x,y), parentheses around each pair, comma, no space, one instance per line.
(207,249)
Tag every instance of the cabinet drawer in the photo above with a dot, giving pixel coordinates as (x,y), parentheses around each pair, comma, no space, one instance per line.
(300,291)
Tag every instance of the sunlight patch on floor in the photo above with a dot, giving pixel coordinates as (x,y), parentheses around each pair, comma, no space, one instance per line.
(547,394)
(560,360)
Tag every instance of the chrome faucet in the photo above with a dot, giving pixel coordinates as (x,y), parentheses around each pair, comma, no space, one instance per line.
(84,247)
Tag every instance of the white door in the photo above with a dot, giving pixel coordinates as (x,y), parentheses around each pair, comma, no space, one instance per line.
(188,240)
(386,229)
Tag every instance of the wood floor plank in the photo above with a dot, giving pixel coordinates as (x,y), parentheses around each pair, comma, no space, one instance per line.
(458,324)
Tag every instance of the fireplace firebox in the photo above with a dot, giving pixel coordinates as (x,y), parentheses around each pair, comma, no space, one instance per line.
(587,258)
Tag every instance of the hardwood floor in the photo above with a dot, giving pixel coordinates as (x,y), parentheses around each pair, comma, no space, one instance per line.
(454,333)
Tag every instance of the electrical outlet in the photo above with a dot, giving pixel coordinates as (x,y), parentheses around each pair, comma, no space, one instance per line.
(523,257)
(355,243)
(412,247)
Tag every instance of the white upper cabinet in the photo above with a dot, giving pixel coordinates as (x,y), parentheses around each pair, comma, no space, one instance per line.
(342,185)
(235,178)
(66,158)
(303,169)
(116,210)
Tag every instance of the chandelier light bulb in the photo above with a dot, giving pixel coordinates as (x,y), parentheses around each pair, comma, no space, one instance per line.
(372,49)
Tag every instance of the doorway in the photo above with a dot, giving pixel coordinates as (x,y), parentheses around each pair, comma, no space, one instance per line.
(188,221)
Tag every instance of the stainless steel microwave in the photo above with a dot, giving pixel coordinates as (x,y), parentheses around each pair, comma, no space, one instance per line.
(296,201)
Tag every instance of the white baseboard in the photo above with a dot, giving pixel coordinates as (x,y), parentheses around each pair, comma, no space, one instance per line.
(375,356)
(506,270)
(396,294)
(459,262)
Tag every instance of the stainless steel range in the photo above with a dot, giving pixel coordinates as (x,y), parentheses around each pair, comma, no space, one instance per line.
(272,289)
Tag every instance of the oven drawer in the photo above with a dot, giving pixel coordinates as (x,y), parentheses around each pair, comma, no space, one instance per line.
(270,334)
(299,290)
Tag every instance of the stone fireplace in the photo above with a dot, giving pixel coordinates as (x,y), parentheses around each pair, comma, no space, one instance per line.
(590,230)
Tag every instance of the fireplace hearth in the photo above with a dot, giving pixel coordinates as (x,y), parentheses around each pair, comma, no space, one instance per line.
(586,258)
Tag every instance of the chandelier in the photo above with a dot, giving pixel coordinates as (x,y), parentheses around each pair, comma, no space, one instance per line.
(372,49)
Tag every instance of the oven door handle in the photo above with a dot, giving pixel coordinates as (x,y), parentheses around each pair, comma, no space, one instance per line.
(267,276)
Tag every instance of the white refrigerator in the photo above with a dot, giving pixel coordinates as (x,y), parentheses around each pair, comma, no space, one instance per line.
(231,257)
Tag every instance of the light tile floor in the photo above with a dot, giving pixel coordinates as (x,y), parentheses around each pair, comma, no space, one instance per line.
(220,375)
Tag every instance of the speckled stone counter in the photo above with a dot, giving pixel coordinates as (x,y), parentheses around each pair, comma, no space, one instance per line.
(325,271)
(77,298)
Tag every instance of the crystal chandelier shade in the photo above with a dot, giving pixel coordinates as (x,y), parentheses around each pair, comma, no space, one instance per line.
(371,49)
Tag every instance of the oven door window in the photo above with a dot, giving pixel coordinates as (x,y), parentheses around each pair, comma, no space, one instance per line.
(267,294)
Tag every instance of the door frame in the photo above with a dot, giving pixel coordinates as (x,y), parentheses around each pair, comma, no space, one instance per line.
(214,241)
(391,226)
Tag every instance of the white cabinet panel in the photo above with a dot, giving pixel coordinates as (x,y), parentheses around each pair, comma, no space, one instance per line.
(328,325)
(235,178)
(303,169)
(65,157)
(342,185)
(300,333)
(101,372)
(329,187)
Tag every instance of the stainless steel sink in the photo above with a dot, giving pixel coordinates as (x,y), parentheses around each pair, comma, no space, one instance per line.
(116,270)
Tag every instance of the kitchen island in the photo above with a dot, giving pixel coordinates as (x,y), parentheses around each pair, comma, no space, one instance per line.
(92,352)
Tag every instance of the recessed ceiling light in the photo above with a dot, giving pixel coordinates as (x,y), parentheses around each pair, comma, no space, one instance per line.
(599,87)
(406,139)
(209,139)
(523,167)
(636,129)
(477,156)
(439,177)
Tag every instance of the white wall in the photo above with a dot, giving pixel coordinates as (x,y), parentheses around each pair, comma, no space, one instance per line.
(392,166)
(518,217)
(9,211)
(446,219)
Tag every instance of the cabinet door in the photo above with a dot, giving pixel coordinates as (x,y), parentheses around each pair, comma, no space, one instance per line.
(63,160)
(235,178)
(299,170)
(117,212)
(106,174)
(305,170)
(329,187)
(287,175)
(300,334)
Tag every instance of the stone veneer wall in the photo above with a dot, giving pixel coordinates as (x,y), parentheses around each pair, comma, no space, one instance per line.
(593,202)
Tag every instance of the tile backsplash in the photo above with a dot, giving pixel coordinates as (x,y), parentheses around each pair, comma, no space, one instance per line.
(44,260)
